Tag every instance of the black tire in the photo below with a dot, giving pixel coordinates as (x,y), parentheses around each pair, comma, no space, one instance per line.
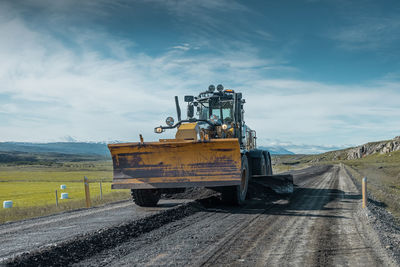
(260,166)
(236,195)
(268,162)
(146,197)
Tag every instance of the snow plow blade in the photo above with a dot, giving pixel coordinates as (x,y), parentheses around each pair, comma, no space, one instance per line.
(176,164)
(279,183)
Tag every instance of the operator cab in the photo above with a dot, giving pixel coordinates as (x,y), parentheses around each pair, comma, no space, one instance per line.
(217,107)
(216,113)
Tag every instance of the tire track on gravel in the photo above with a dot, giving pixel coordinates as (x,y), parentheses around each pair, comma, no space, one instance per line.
(204,239)
(242,249)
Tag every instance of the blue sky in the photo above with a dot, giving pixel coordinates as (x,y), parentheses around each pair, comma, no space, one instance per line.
(316,75)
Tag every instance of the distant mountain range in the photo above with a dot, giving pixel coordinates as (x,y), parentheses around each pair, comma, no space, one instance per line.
(277,150)
(72,148)
(84,148)
(100,150)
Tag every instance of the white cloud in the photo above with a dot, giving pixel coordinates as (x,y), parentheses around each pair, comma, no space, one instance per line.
(194,8)
(8,109)
(325,114)
(368,32)
(183,47)
(265,35)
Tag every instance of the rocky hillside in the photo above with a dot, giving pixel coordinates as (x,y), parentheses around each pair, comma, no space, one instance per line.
(383,147)
(284,162)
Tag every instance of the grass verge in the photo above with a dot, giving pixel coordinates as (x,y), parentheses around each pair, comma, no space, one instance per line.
(21,213)
(383,178)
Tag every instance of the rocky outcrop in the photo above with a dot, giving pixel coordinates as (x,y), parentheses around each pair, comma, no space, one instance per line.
(383,147)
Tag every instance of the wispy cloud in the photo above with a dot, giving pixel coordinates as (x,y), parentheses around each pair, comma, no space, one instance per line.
(264,35)
(183,47)
(368,28)
(193,8)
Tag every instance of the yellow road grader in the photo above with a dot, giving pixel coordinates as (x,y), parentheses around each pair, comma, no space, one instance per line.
(212,148)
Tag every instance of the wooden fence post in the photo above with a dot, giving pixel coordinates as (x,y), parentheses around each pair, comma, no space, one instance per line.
(56,199)
(364,192)
(101,191)
(87,192)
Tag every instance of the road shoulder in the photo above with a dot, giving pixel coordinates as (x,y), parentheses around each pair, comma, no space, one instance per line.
(383,228)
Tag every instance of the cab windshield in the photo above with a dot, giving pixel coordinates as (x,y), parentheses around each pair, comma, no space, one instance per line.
(222,109)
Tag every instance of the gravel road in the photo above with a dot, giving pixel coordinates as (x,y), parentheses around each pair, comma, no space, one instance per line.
(29,235)
(319,225)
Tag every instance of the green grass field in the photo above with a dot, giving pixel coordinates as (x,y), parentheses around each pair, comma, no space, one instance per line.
(284,163)
(32,188)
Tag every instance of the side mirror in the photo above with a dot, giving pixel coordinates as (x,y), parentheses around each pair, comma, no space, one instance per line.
(169,121)
(189,98)
(190,111)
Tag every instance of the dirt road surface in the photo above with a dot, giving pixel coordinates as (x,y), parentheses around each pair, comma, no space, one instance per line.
(319,225)
(27,235)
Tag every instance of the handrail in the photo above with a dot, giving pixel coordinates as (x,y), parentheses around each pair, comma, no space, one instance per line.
(181,121)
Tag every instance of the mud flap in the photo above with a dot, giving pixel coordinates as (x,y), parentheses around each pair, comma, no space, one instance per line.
(279,183)
(176,164)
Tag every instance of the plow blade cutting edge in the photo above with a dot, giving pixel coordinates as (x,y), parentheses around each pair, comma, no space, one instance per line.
(176,164)
(279,183)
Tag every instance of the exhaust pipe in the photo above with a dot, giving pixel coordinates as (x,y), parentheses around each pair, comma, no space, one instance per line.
(178,109)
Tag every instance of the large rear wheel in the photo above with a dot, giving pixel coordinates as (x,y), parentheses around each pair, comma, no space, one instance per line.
(268,162)
(236,195)
(146,197)
(260,166)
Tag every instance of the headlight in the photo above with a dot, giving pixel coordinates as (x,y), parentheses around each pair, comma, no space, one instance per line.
(224,126)
(211,88)
(158,130)
(169,121)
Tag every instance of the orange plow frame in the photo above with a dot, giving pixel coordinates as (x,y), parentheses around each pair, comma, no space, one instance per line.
(176,164)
